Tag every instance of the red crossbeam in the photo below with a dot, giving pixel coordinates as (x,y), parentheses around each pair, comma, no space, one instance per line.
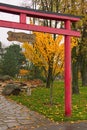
(38,14)
(38,28)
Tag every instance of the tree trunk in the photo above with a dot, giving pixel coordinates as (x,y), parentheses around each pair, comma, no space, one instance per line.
(49,77)
(51,93)
(83,55)
(84,77)
(75,88)
(84,72)
(75,65)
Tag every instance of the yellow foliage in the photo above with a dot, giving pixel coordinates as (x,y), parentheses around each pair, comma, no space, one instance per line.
(74,42)
(23,72)
(47,52)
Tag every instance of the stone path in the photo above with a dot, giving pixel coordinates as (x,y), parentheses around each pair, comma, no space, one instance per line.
(15,116)
(65,126)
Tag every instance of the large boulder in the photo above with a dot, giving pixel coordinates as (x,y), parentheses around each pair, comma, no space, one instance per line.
(11,89)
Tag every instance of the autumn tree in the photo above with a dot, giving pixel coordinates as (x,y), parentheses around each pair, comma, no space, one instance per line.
(74,7)
(83,42)
(46,53)
(64,6)
(79,52)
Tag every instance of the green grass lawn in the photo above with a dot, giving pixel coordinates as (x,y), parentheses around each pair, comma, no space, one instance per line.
(39,101)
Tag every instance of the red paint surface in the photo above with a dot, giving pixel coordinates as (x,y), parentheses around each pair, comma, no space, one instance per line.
(38,28)
(23,18)
(68,94)
(37,14)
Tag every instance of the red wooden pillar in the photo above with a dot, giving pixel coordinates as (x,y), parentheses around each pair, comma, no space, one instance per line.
(68,104)
(23,18)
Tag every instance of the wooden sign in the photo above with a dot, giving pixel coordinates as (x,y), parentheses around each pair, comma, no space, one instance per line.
(21,37)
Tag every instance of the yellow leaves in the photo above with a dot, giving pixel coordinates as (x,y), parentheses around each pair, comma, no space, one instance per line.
(32,127)
(74,41)
(23,72)
(28,47)
(59,39)
(72,122)
(75,107)
(17,127)
(47,51)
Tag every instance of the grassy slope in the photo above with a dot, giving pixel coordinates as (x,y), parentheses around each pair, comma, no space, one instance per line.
(39,101)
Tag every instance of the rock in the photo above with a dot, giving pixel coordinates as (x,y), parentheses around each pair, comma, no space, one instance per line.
(28,91)
(5,77)
(24,88)
(23,84)
(11,89)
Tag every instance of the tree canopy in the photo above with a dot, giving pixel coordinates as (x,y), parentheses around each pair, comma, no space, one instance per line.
(47,53)
(12,60)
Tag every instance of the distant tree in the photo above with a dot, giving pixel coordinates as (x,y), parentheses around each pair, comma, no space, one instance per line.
(79,52)
(12,60)
(1,50)
(1,54)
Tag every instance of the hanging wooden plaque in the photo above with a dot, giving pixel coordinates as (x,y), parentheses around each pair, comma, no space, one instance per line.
(20,36)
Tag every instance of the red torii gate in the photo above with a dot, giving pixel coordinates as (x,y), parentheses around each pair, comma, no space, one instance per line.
(68,19)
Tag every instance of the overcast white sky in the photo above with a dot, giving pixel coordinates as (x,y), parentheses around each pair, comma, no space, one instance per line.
(12,2)
(3,31)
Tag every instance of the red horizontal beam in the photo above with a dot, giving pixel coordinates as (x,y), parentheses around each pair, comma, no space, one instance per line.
(37,28)
(35,13)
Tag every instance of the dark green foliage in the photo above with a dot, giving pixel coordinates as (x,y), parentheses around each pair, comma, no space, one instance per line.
(83,54)
(36,73)
(12,60)
(1,54)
